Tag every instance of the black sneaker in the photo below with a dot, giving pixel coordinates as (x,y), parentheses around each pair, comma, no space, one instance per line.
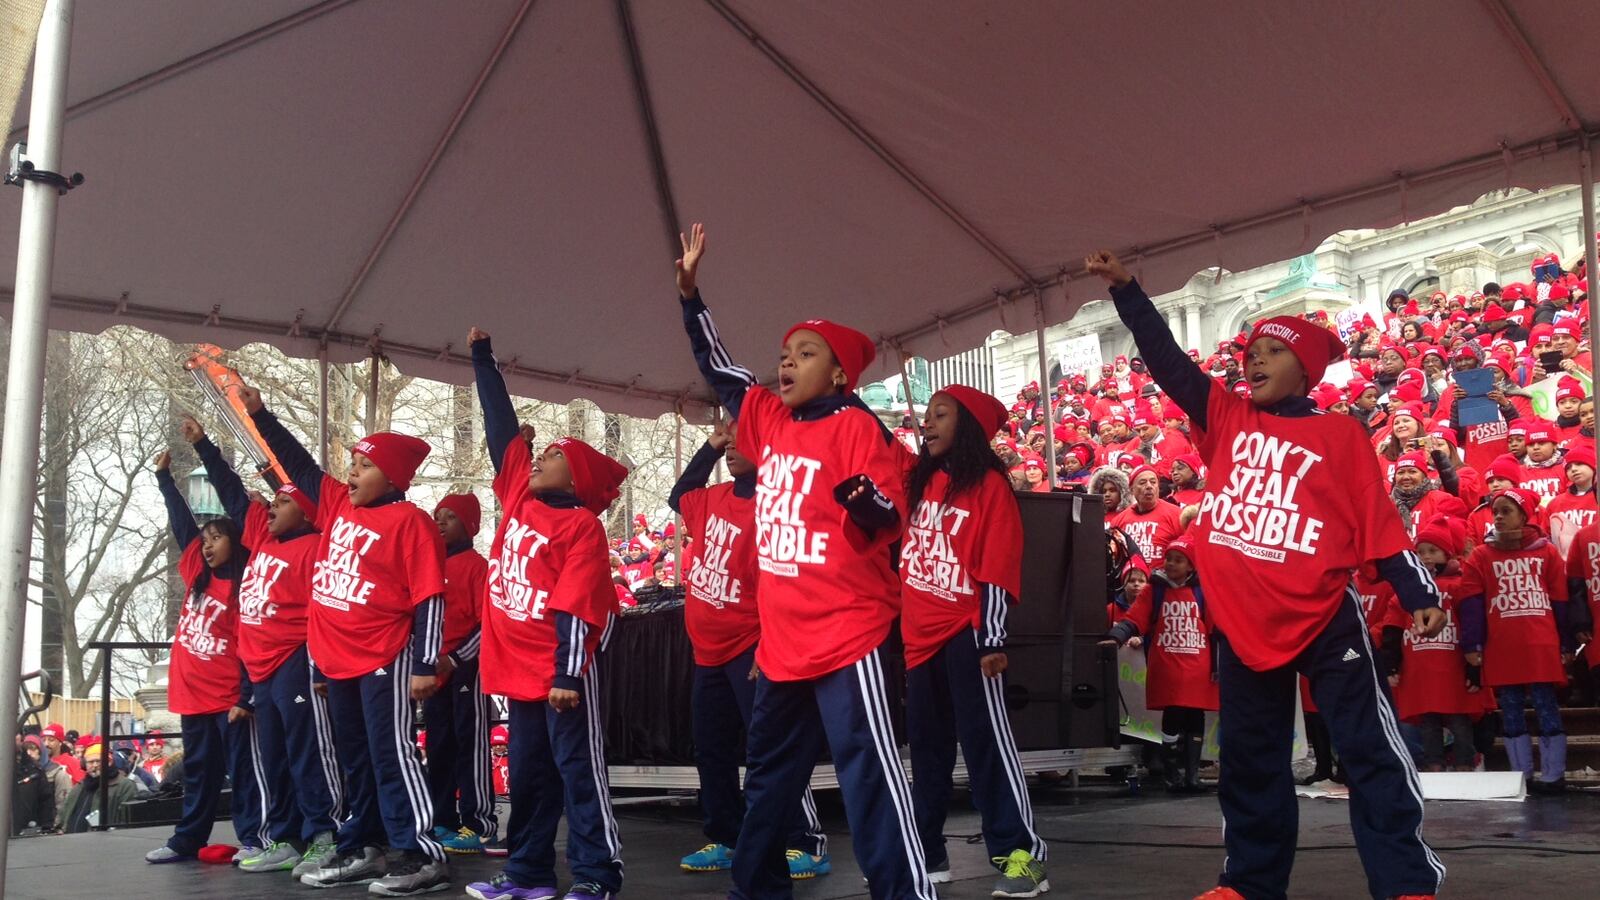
(412,874)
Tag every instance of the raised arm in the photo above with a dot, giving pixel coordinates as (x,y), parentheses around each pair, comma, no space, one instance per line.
(179,518)
(727,378)
(499,416)
(301,467)
(698,471)
(230,490)
(1179,376)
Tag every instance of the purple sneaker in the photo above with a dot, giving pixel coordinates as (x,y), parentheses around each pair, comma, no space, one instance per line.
(588,890)
(501,887)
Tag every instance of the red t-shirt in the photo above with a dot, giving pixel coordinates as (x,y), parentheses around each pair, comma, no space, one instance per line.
(544,560)
(1292,506)
(1521,644)
(1548,480)
(1178,638)
(951,546)
(1583,561)
(203,674)
(1152,531)
(466,577)
(1433,671)
(828,593)
(374,566)
(720,593)
(1566,515)
(274,593)
(1483,443)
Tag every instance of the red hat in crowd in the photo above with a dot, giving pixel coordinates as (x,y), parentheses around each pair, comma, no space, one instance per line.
(1141,470)
(1580,456)
(1446,533)
(303,499)
(1526,500)
(1083,451)
(1241,389)
(1192,460)
(1416,459)
(1570,388)
(1182,545)
(988,412)
(1565,328)
(1540,333)
(1444,432)
(1495,313)
(54,730)
(1356,387)
(1414,410)
(1559,291)
(853,350)
(1136,563)
(595,476)
(1504,466)
(499,736)
(1540,434)
(397,456)
(1032,461)
(1513,291)
(466,508)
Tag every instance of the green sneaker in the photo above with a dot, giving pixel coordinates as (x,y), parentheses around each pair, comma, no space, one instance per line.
(1020,876)
(276,858)
(319,852)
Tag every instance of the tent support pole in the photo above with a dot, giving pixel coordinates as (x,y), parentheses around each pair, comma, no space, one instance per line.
(24,405)
(1045,394)
(911,405)
(372,393)
(323,431)
(1586,182)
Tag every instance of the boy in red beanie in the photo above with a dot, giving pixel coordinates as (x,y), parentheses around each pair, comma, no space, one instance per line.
(721,617)
(374,633)
(1295,503)
(457,716)
(829,496)
(294,732)
(549,610)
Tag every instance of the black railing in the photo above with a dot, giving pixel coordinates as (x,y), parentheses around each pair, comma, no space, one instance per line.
(107,648)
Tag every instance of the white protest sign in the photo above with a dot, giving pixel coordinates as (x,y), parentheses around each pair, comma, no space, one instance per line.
(1079,356)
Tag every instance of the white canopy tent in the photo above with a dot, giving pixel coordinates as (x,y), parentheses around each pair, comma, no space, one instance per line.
(357,176)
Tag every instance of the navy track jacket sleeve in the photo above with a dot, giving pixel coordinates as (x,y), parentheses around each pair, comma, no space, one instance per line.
(230,490)
(727,378)
(695,474)
(427,635)
(179,518)
(1411,580)
(297,462)
(571,632)
(995,602)
(500,426)
(1178,375)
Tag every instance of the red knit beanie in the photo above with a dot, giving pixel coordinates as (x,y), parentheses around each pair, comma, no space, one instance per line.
(853,350)
(397,456)
(302,500)
(1310,343)
(466,508)
(989,412)
(595,476)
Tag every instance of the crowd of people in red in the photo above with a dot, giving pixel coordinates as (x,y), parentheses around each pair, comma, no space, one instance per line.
(1480,412)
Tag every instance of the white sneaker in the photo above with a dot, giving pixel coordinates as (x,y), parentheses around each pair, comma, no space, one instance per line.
(348,868)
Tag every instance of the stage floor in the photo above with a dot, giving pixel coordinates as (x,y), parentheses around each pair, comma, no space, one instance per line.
(1553,845)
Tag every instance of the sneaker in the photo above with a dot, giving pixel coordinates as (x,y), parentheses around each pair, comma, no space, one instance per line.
(710,858)
(347,868)
(501,887)
(803,865)
(245,854)
(1221,893)
(278,857)
(412,874)
(440,833)
(165,854)
(463,841)
(939,873)
(317,854)
(1020,876)
(588,890)
(496,847)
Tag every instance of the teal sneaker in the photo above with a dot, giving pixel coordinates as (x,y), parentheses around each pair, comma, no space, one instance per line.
(279,857)
(803,865)
(710,858)
(441,833)
(1020,876)
(463,841)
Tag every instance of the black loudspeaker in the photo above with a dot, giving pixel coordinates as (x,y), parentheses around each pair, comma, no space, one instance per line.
(1061,686)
